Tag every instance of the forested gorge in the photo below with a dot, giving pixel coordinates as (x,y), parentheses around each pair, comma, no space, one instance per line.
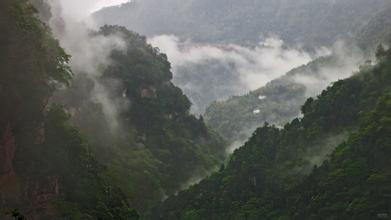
(60,159)
(278,101)
(42,155)
(121,142)
(157,145)
(282,174)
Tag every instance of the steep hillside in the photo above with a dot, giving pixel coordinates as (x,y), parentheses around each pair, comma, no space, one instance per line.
(210,72)
(46,170)
(280,100)
(205,77)
(331,164)
(152,145)
(65,154)
(377,30)
(105,133)
(319,22)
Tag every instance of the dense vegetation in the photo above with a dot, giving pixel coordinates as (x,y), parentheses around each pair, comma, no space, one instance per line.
(277,102)
(46,170)
(121,143)
(61,156)
(157,145)
(287,173)
(304,24)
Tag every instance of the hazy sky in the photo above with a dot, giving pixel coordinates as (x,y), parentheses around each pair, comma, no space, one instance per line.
(79,9)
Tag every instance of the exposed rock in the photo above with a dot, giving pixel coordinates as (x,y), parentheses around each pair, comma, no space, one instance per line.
(148,92)
(7,153)
(40,134)
(39,194)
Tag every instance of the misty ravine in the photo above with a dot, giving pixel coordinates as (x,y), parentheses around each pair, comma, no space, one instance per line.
(208,72)
(195,109)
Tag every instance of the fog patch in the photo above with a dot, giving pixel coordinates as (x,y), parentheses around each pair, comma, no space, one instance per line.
(314,157)
(81,9)
(204,70)
(90,55)
(348,60)
(196,178)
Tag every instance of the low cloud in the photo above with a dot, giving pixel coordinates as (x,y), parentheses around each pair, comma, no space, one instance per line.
(249,67)
(81,9)
(347,60)
(90,54)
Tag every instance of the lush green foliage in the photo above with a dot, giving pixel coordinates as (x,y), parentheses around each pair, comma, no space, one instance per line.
(31,60)
(277,102)
(157,145)
(355,182)
(275,175)
(51,173)
(151,146)
(86,193)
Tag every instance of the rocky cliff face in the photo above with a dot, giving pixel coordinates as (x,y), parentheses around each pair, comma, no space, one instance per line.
(9,190)
(7,154)
(39,194)
(24,95)
(35,194)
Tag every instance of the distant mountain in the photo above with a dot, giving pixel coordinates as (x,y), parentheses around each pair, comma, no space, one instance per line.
(279,100)
(308,22)
(301,24)
(120,139)
(377,30)
(331,164)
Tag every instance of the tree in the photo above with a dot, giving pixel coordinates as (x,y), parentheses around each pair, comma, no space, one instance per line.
(380,51)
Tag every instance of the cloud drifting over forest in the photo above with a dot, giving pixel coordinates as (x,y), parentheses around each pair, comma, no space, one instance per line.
(245,68)
(90,52)
(256,66)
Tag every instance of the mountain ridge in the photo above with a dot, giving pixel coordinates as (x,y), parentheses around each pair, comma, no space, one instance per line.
(227,21)
(265,179)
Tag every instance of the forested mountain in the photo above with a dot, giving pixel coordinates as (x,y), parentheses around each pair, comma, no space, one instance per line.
(157,145)
(319,22)
(331,164)
(46,169)
(61,157)
(303,25)
(93,126)
(280,100)
(377,29)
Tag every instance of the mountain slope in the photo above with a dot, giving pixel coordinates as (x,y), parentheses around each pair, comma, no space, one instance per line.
(355,183)
(319,22)
(45,169)
(280,100)
(61,156)
(377,30)
(274,174)
(153,145)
